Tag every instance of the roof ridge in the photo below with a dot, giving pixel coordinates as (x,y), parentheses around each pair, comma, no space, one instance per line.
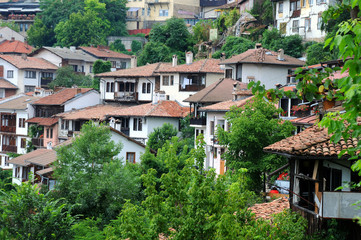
(200,69)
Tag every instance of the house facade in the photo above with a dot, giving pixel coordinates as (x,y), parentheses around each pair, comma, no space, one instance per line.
(27,73)
(14,111)
(302,17)
(259,64)
(7,33)
(80,61)
(118,60)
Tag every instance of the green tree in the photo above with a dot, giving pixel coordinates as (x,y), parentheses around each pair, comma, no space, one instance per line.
(154,52)
(234,46)
(263,12)
(11,24)
(28,214)
(201,30)
(100,66)
(160,135)
(91,177)
(316,53)
(65,77)
(136,46)
(253,127)
(40,35)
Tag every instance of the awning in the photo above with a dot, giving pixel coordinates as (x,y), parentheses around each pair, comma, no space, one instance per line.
(133,9)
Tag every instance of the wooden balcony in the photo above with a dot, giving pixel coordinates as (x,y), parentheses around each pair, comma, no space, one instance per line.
(9,148)
(45,81)
(126,96)
(11,129)
(37,142)
(198,121)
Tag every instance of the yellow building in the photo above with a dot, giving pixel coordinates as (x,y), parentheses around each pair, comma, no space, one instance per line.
(143,14)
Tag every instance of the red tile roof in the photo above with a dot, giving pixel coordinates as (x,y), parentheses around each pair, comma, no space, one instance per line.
(308,120)
(143,71)
(267,209)
(29,62)
(98,112)
(15,46)
(225,106)
(163,109)
(102,52)
(270,57)
(288,88)
(200,66)
(313,141)
(43,121)
(61,96)
(6,84)
(42,156)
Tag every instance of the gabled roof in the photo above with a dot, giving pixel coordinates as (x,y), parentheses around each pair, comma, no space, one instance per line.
(169,109)
(62,96)
(101,52)
(29,62)
(270,57)
(45,171)
(308,120)
(68,54)
(15,46)
(7,84)
(98,112)
(312,142)
(201,66)
(148,70)
(17,102)
(217,92)
(48,122)
(42,157)
(226,105)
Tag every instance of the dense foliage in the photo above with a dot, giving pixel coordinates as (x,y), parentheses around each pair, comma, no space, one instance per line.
(161,135)
(234,46)
(66,77)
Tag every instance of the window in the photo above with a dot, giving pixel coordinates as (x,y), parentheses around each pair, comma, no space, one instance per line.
(114,64)
(308,25)
(2,93)
(165,80)
(333,178)
(131,157)
(17,172)
(228,73)
(137,124)
(21,122)
(146,88)
(280,7)
(6,161)
(148,12)
(10,74)
(163,13)
(64,125)
(21,27)
(304,3)
(91,69)
(192,82)
(110,87)
(143,11)
(211,127)
(29,89)
(47,75)
(49,133)
(320,2)
(30,74)
(319,21)
(295,26)
(310,2)
(23,142)
(171,80)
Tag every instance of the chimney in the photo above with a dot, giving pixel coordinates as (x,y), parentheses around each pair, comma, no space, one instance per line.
(12,39)
(23,56)
(174,60)
(258,45)
(78,90)
(281,55)
(133,61)
(72,48)
(223,56)
(158,96)
(189,58)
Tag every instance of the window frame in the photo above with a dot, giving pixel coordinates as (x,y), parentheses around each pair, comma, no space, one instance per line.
(10,74)
(130,154)
(30,74)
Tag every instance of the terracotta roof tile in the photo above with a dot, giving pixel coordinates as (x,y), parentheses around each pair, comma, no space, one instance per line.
(308,120)
(43,121)
(163,109)
(217,92)
(104,53)
(143,71)
(45,171)
(226,105)
(29,62)
(15,46)
(41,156)
(270,57)
(313,141)
(201,66)
(98,112)
(6,84)
(19,101)
(266,210)
(61,96)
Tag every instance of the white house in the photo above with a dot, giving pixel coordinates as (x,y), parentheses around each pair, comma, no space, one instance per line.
(80,61)
(26,73)
(181,81)
(302,17)
(259,64)
(14,111)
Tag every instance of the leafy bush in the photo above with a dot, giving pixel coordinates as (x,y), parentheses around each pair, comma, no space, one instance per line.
(234,46)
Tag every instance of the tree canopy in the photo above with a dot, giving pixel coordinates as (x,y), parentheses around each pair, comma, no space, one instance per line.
(66,77)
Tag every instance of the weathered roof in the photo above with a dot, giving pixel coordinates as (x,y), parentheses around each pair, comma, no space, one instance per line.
(15,46)
(102,52)
(43,121)
(66,53)
(40,157)
(313,141)
(143,71)
(97,112)
(267,209)
(19,101)
(28,62)
(201,66)
(217,92)
(163,109)
(7,84)
(226,105)
(308,120)
(45,171)
(61,96)
(270,57)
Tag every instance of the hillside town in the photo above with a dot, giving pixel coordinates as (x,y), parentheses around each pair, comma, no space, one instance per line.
(167,119)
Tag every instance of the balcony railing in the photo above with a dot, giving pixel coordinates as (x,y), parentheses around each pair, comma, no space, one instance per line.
(191,88)
(37,142)
(198,121)
(126,96)
(340,205)
(11,129)
(46,81)
(9,148)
